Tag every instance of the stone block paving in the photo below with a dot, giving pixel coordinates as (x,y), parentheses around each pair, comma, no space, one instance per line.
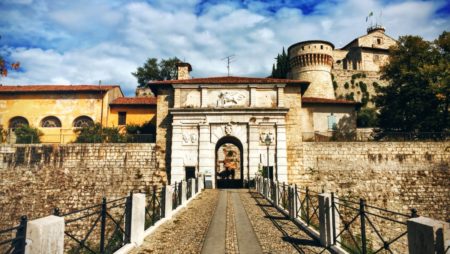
(276,233)
(266,229)
(185,232)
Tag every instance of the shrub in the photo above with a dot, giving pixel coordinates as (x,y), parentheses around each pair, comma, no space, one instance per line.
(27,135)
(335,85)
(346,85)
(99,134)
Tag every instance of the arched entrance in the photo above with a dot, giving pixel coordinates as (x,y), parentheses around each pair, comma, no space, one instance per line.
(229,164)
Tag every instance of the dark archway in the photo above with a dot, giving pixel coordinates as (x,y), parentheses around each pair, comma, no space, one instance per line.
(226,179)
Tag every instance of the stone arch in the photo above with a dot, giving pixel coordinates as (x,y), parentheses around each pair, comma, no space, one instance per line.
(51,122)
(83,121)
(234,141)
(17,121)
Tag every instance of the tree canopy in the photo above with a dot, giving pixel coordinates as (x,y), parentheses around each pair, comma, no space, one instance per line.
(166,69)
(281,68)
(417,97)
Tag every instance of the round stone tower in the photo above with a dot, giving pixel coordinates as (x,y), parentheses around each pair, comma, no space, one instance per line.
(312,61)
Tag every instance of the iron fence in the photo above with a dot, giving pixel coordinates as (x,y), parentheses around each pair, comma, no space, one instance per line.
(176,195)
(356,226)
(102,228)
(308,206)
(188,189)
(154,210)
(364,228)
(356,136)
(13,240)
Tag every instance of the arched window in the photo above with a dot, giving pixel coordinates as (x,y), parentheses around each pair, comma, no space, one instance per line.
(51,122)
(17,121)
(83,121)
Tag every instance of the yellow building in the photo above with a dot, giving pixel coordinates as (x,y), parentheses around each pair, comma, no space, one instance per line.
(132,110)
(59,110)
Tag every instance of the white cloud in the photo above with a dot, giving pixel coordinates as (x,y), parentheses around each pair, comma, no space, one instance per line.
(84,42)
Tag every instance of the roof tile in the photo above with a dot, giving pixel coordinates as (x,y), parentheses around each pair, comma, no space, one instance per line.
(55,88)
(228,80)
(134,101)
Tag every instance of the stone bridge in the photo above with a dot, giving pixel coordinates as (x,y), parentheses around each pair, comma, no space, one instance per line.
(230,221)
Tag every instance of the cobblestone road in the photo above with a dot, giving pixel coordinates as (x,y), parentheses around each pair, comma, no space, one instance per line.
(229,221)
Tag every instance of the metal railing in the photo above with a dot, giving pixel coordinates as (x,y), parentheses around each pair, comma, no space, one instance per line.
(361,229)
(102,228)
(356,136)
(356,226)
(308,206)
(176,196)
(13,240)
(154,210)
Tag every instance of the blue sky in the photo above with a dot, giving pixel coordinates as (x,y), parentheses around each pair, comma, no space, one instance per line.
(84,41)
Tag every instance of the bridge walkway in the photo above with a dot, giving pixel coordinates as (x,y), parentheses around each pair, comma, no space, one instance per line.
(229,221)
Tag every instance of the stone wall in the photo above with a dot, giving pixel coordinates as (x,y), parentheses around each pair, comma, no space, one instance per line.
(393,175)
(34,179)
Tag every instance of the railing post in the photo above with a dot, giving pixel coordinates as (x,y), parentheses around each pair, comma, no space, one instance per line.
(426,235)
(168,192)
(192,188)
(137,218)
(153,204)
(335,220)
(362,204)
(183,192)
(128,216)
(103,226)
(45,235)
(21,234)
(325,219)
(298,212)
(307,205)
(163,202)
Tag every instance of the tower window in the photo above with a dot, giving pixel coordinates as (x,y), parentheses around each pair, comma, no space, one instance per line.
(378,41)
(321,46)
(122,118)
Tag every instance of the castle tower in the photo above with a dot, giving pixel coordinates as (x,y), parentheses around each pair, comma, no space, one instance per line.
(312,61)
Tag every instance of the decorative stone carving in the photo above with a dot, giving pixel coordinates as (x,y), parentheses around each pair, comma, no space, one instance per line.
(263,134)
(228,129)
(190,137)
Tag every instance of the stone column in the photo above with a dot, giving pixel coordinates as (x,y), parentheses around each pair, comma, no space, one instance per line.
(281,153)
(205,154)
(168,193)
(177,98)
(426,235)
(193,188)
(325,219)
(280,96)
(177,167)
(253,149)
(137,219)
(45,235)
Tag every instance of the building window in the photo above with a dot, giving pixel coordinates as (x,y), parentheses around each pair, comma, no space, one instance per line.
(83,121)
(122,118)
(332,126)
(17,121)
(321,46)
(51,122)
(378,41)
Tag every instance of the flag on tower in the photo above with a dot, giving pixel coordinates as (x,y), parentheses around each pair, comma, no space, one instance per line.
(370,15)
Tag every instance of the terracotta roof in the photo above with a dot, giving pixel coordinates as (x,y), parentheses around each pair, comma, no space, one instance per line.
(55,88)
(327,101)
(134,101)
(229,80)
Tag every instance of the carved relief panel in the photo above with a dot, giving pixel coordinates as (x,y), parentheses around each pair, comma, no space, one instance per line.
(266,98)
(190,136)
(228,97)
(190,98)
(266,132)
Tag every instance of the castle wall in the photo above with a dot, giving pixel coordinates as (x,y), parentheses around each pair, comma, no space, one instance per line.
(394,175)
(343,91)
(34,179)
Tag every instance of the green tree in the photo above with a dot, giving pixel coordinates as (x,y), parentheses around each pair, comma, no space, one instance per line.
(367,117)
(166,69)
(417,97)
(281,68)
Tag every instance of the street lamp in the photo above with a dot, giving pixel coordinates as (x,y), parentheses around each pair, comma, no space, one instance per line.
(268,141)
